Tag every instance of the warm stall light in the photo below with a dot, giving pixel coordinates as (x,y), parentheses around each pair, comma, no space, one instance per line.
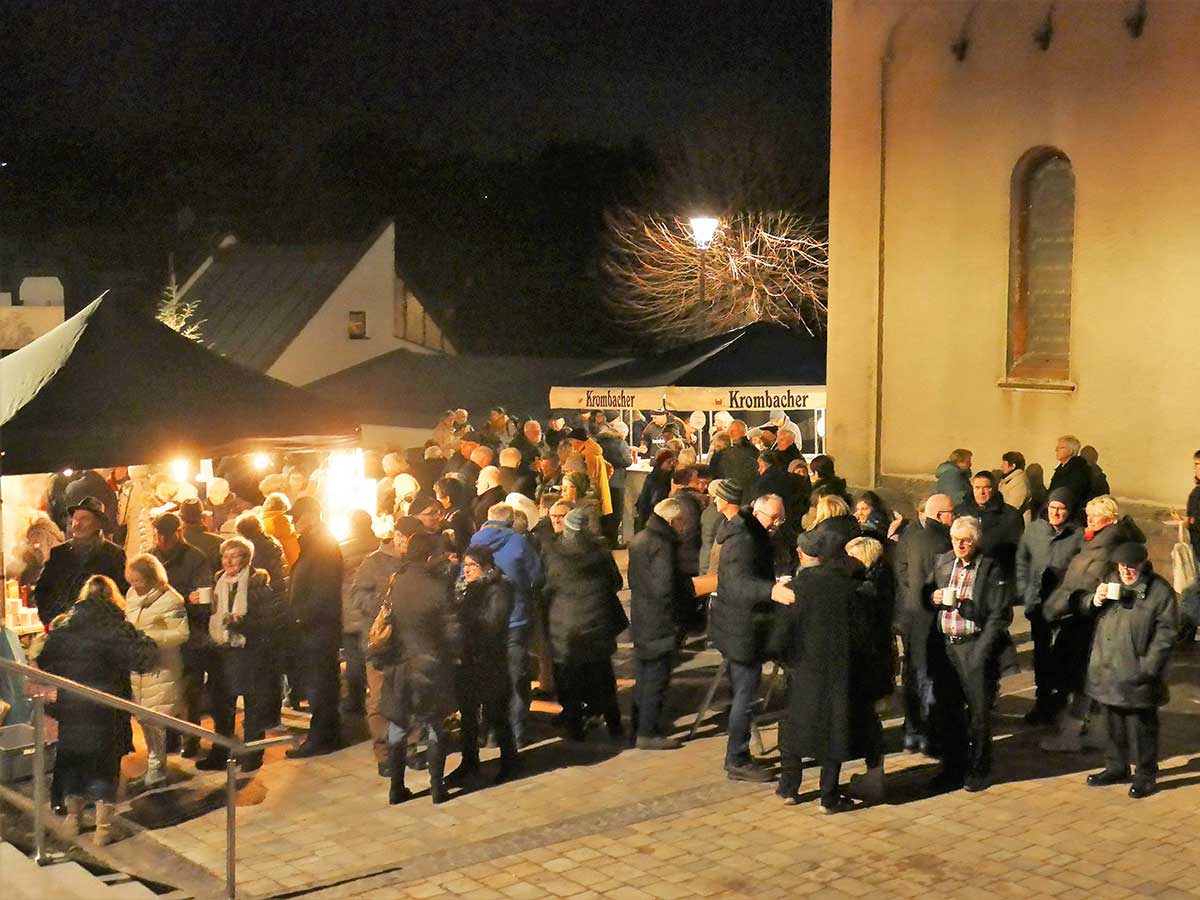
(180,470)
(262,462)
(703,231)
(67,473)
(346,488)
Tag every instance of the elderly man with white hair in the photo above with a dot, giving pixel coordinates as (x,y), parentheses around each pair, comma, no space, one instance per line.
(973,607)
(1072,471)
(515,477)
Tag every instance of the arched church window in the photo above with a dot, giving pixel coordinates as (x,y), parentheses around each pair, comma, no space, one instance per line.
(1041,253)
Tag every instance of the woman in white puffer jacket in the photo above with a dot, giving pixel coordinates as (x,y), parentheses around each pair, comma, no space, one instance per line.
(155,609)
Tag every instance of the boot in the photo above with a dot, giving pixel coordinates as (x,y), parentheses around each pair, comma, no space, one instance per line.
(1069,738)
(436,756)
(74,818)
(467,772)
(397,793)
(788,788)
(191,748)
(868,787)
(104,812)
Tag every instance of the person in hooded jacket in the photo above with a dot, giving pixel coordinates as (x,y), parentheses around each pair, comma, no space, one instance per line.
(1066,607)
(276,524)
(661,595)
(954,475)
(582,581)
(1131,645)
(418,667)
(517,557)
(1046,550)
(483,603)
(92,643)
(157,610)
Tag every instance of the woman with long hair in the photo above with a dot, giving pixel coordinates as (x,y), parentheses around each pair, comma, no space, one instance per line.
(656,487)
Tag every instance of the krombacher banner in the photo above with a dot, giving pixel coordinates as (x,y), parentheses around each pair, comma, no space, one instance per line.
(606,397)
(733,399)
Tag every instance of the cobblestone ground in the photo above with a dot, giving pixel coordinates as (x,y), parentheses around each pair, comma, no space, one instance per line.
(599,820)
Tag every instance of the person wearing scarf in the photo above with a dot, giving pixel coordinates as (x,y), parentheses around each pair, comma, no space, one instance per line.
(245,616)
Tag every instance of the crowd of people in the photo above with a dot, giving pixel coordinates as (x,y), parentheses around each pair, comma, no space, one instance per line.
(499,573)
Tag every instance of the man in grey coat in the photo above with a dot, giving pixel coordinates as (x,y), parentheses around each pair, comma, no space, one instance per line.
(1135,631)
(1046,549)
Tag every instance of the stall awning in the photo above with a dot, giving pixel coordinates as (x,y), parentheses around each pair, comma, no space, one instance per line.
(764,366)
(112,386)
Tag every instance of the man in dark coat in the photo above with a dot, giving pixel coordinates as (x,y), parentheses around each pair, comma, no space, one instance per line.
(515,478)
(70,565)
(1192,512)
(488,492)
(316,613)
(90,483)
(1135,631)
(660,593)
(188,570)
(1002,525)
(972,607)
(738,617)
(418,678)
(916,553)
(739,461)
(686,488)
(1046,549)
(825,480)
(530,443)
(830,713)
(1072,473)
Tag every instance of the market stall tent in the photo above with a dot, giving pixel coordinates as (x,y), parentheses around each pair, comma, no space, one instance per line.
(760,367)
(112,386)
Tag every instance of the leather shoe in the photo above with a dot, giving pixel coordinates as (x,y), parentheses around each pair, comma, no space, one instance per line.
(214,762)
(840,805)
(1108,776)
(749,772)
(308,748)
(647,742)
(976,783)
(1142,789)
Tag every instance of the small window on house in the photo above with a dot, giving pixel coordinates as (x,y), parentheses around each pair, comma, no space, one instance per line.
(1041,250)
(357,328)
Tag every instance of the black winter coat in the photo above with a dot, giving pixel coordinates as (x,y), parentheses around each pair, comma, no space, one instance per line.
(69,566)
(655,488)
(94,645)
(739,614)
(1002,528)
(845,527)
(1075,476)
(873,629)
(418,684)
(1091,565)
(739,461)
(1132,643)
(916,554)
(1042,559)
(316,589)
(582,580)
(661,593)
(483,608)
(990,607)
(268,556)
(823,639)
(485,501)
(187,570)
(690,540)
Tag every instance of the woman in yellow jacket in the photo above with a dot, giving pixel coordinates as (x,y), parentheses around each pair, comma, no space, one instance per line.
(277,524)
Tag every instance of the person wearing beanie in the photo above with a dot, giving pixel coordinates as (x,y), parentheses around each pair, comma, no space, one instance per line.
(585,617)
(1136,626)
(1046,549)
(1066,605)
(745,577)
(191,513)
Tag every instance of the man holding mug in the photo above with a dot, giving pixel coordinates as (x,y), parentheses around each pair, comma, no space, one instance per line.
(1135,631)
(190,574)
(971,599)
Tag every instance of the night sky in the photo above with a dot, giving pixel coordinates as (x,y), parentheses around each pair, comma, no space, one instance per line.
(279,117)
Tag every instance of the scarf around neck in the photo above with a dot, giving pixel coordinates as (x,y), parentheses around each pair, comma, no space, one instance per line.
(230,598)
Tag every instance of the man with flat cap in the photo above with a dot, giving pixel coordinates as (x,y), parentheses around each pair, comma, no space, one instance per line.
(1046,549)
(738,616)
(1131,644)
(87,553)
(821,638)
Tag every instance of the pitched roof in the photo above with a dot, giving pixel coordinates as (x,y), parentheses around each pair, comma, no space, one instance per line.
(254,299)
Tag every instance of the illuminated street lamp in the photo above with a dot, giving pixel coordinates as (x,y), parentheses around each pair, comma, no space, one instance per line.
(703,231)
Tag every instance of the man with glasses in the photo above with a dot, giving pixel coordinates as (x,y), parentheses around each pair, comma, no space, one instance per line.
(1046,549)
(915,557)
(970,601)
(769,511)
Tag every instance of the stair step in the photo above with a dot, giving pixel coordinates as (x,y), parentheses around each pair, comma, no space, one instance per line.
(24,879)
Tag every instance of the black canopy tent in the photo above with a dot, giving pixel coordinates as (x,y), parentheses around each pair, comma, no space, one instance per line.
(111,386)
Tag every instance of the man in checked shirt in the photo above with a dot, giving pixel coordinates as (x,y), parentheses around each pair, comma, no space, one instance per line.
(972,600)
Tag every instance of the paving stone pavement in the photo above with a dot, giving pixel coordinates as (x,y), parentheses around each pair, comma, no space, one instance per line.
(599,820)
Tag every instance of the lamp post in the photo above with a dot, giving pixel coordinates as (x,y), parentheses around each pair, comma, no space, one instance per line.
(703,230)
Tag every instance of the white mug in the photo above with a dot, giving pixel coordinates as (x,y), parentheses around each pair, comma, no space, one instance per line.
(206,595)
(1114,590)
(948,596)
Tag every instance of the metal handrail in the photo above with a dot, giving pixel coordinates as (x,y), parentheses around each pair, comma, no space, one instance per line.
(234,748)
